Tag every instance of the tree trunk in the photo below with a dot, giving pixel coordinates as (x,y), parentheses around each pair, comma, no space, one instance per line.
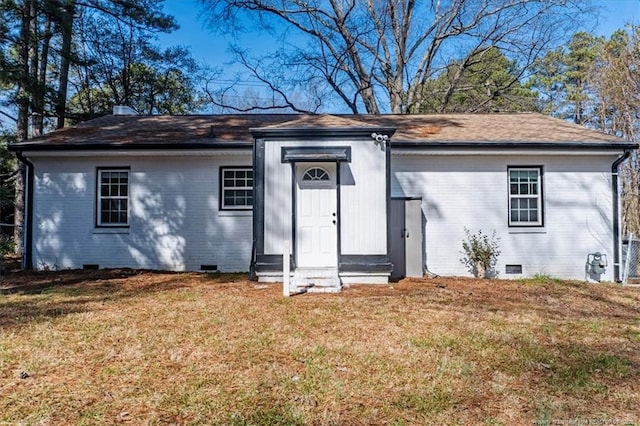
(23,120)
(66,26)
(481,271)
(33,65)
(41,80)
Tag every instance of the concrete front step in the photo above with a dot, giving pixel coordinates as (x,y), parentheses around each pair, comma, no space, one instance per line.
(316,280)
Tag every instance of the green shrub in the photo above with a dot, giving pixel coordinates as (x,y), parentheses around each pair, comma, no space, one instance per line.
(7,245)
(480,253)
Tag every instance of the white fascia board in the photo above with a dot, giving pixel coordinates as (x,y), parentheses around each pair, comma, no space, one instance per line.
(139,153)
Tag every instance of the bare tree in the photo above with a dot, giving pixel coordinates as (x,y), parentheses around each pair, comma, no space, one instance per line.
(264,93)
(617,83)
(617,110)
(376,55)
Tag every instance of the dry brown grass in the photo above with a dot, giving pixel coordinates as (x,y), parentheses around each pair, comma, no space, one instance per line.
(128,347)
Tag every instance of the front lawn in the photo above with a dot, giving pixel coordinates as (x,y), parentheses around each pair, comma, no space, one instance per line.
(142,347)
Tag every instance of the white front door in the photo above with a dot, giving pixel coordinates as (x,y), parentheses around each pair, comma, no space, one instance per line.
(316,215)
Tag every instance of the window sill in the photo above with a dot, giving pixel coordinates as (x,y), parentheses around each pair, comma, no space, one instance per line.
(235,213)
(114,230)
(528,230)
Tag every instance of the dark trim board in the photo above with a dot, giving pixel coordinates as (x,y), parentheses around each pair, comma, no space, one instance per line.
(258,197)
(294,213)
(311,154)
(387,182)
(272,263)
(256,211)
(366,268)
(365,263)
(338,220)
(406,198)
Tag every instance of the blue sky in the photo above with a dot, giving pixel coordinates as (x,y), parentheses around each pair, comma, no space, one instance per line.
(617,13)
(211,48)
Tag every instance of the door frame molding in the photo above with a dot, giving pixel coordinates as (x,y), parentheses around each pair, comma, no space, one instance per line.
(294,209)
(295,154)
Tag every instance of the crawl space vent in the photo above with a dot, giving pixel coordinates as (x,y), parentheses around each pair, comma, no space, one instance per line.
(209,268)
(513,269)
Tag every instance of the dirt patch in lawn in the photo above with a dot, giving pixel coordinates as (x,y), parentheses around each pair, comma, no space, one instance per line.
(125,346)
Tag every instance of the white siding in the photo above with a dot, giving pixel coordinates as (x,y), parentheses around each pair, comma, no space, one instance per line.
(461,191)
(174,219)
(363,209)
(277,199)
(363,197)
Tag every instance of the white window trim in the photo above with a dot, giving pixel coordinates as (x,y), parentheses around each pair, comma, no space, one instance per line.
(99,197)
(223,206)
(539,196)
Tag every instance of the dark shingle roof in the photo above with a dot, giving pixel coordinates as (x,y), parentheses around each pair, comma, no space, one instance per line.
(227,130)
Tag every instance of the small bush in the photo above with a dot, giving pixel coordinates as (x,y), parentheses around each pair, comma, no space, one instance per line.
(542,278)
(7,245)
(480,253)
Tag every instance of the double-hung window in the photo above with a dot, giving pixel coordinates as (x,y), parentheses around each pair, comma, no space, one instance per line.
(236,188)
(525,196)
(113,197)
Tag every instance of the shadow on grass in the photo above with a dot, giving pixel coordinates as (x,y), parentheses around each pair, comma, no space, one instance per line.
(28,282)
(584,368)
(563,301)
(39,296)
(562,370)
(587,302)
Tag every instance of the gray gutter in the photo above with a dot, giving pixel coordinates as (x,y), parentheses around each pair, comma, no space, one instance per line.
(30,146)
(395,144)
(616,213)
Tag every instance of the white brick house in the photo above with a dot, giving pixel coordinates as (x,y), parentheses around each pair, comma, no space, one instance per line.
(360,198)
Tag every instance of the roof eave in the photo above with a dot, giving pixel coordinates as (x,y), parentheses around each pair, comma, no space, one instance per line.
(29,146)
(513,145)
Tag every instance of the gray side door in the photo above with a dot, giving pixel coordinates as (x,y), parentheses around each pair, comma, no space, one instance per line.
(406,237)
(413,238)
(396,237)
